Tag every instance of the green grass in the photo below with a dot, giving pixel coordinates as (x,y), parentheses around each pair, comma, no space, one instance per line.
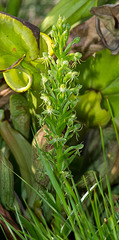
(77,223)
(61,212)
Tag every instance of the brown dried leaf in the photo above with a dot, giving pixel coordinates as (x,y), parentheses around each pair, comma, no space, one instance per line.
(90,42)
(8,218)
(108,15)
(5,93)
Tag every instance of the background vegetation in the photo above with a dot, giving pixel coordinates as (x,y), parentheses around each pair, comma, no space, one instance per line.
(59,175)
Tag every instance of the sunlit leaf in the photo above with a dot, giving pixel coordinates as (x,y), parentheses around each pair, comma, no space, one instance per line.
(18,80)
(89,110)
(18,37)
(46,44)
(73,11)
(99,73)
(8,61)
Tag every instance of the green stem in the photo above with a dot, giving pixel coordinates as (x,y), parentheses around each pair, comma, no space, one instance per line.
(103,148)
(57,218)
(60,49)
(96,3)
(59,165)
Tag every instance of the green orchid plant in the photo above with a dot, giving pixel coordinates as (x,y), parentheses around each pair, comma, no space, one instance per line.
(22,60)
(23,64)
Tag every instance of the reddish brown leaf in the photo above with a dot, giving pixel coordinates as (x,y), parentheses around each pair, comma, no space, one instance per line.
(8,218)
(90,42)
(5,93)
(107,25)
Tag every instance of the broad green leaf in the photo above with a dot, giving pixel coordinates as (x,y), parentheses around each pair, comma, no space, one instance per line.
(82,13)
(99,74)
(99,71)
(8,61)
(18,40)
(89,110)
(18,37)
(17,79)
(21,149)
(112,88)
(20,59)
(73,11)
(101,2)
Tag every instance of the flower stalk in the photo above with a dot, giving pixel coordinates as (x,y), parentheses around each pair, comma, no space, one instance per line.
(59,95)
